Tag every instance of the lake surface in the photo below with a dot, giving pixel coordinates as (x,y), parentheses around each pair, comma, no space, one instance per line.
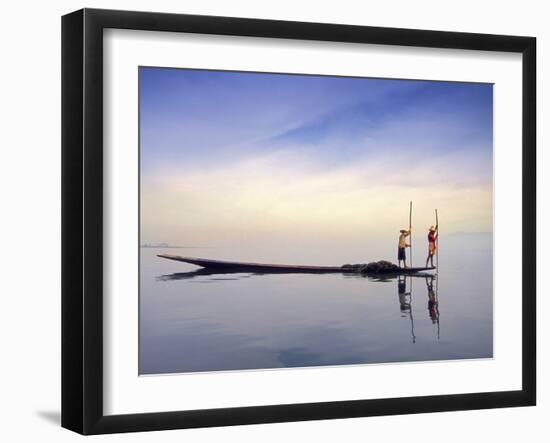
(192,321)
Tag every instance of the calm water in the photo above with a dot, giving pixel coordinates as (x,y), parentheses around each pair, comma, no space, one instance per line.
(191,321)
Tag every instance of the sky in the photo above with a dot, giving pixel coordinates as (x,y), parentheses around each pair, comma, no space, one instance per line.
(232,159)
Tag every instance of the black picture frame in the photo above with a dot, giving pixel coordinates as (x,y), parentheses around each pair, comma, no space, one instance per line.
(82,219)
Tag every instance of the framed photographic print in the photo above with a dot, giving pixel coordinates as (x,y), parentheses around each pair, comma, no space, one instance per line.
(269,221)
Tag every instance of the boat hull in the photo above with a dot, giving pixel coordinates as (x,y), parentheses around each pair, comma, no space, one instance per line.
(230,266)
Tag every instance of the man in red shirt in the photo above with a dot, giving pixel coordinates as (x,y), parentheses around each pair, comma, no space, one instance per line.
(432,245)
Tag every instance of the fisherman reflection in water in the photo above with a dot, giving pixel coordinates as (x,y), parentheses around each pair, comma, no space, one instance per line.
(405,302)
(433,303)
(404,296)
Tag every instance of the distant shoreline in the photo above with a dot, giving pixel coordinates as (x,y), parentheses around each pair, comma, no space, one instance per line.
(165,246)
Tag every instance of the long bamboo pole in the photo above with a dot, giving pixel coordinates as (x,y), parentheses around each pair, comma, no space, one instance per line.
(437,273)
(410,232)
(437,242)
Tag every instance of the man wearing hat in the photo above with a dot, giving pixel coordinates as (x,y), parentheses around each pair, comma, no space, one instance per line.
(432,245)
(401,256)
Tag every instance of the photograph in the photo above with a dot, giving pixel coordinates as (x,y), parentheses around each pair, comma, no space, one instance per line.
(298,220)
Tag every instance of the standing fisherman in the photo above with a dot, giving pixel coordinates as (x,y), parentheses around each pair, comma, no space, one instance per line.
(401,256)
(432,245)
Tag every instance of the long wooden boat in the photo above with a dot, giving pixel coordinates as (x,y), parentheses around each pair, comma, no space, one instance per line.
(231,266)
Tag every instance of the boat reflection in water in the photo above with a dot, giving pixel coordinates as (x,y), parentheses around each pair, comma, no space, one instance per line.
(202,272)
(404,287)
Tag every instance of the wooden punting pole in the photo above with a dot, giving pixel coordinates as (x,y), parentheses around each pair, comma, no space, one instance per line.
(410,232)
(437,242)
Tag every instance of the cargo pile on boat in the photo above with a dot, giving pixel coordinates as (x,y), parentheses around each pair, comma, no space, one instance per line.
(371,267)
